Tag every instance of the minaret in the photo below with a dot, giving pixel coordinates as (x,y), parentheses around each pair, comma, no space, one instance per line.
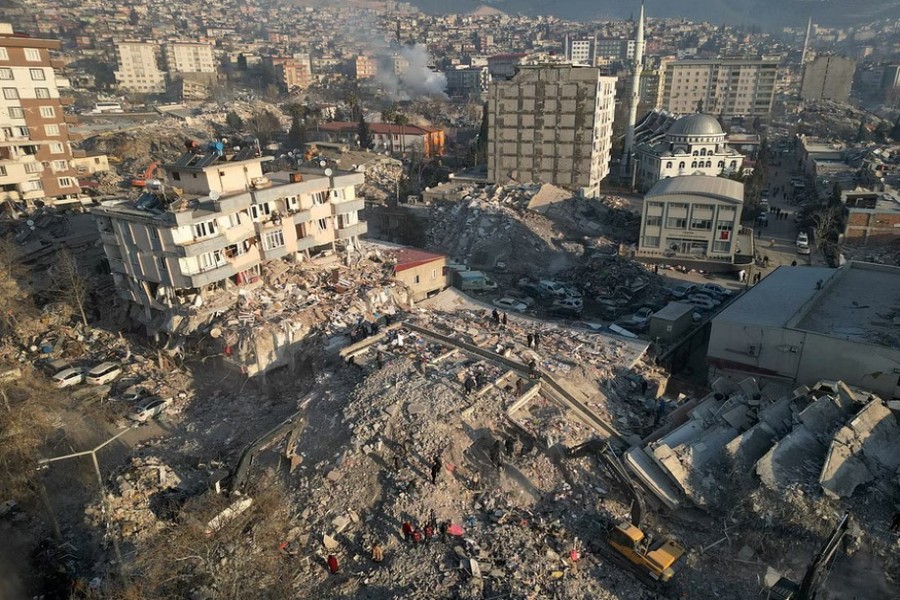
(806,42)
(635,97)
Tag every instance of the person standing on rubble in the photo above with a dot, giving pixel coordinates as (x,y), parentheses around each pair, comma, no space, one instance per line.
(379,359)
(530,338)
(537,340)
(520,385)
(469,384)
(377,552)
(436,467)
(503,320)
(495,316)
(407,530)
(497,454)
(333,564)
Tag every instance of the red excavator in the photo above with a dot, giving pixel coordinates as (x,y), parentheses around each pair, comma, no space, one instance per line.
(152,172)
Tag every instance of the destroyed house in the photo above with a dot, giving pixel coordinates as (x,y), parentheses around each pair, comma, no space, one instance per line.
(424,273)
(215,221)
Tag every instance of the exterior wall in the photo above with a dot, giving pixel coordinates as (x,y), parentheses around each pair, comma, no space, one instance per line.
(828,78)
(35,152)
(224,179)
(768,351)
(139,68)
(692,227)
(538,124)
(88,165)
(426,279)
(706,155)
(186,57)
(865,226)
(724,86)
(365,67)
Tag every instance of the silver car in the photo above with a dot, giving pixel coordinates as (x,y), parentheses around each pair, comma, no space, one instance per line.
(148,409)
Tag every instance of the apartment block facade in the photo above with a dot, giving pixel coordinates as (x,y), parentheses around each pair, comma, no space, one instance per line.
(551,124)
(139,68)
(190,57)
(35,151)
(725,86)
(828,78)
(227,221)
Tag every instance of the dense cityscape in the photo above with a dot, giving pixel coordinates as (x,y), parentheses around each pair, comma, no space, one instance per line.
(383,299)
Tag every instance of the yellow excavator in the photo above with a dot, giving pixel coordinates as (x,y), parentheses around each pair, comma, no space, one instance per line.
(651,560)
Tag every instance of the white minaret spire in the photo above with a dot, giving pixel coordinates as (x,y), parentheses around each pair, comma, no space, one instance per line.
(635,96)
(806,42)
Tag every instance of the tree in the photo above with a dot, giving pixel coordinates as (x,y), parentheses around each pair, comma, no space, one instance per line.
(234,121)
(265,125)
(296,134)
(72,283)
(895,132)
(365,134)
(16,307)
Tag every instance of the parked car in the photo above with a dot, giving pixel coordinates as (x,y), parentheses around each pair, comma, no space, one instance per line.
(552,288)
(510,304)
(701,302)
(103,373)
(642,316)
(52,367)
(715,289)
(682,290)
(715,301)
(521,297)
(534,289)
(569,302)
(68,377)
(802,238)
(572,291)
(148,408)
(132,394)
(803,249)
(564,312)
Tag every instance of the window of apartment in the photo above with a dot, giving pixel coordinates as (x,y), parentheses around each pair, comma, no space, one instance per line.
(703,224)
(654,221)
(2,171)
(654,204)
(211,260)
(11,93)
(43,93)
(65,182)
(127,235)
(205,229)
(33,186)
(259,211)
(681,165)
(322,224)
(135,262)
(21,131)
(723,231)
(291,202)
(60,165)
(319,198)
(669,164)
(33,167)
(15,112)
(162,264)
(51,129)
(56,148)
(32,54)
(417,279)
(651,241)
(37,74)
(273,239)
(676,223)
(6,74)
(176,176)
(234,219)
(48,112)
(3,54)
(155,241)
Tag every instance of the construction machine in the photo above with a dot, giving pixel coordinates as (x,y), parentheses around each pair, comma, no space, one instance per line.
(817,572)
(651,560)
(151,172)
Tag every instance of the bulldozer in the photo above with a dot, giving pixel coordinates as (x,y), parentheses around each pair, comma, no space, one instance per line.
(653,561)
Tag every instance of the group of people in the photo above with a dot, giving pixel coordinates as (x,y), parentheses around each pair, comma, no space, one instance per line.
(475,381)
(780,214)
(499,319)
(534,340)
(362,331)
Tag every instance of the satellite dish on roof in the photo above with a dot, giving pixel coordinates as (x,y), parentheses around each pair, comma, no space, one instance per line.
(214,195)
(328,172)
(322,163)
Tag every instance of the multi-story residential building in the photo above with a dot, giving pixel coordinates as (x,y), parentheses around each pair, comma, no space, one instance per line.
(468,81)
(828,78)
(872,217)
(551,124)
(611,49)
(504,66)
(139,68)
(35,151)
(214,225)
(291,72)
(581,51)
(722,86)
(428,141)
(365,67)
(692,218)
(693,145)
(190,57)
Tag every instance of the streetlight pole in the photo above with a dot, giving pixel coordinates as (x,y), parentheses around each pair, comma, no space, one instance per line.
(93,454)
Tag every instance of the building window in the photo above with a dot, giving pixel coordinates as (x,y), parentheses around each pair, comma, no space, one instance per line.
(234,219)
(3,54)
(33,167)
(162,264)
(211,260)
(56,148)
(6,74)
(416,279)
(34,186)
(176,176)
(654,221)
(703,224)
(654,204)
(676,223)
(258,211)
(734,164)
(2,171)
(708,164)
(155,241)
(651,241)
(693,164)
(319,198)
(205,229)
(37,74)
(722,247)
(51,129)
(694,153)
(322,224)
(32,54)
(669,165)
(48,112)
(16,112)
(702,151)
(60,165)
(723,231)
(721,164)
(65,182)
(273,239)
(681,165)
(11,93)
(43,93)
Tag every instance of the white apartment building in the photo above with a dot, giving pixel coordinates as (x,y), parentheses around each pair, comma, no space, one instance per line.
(139,68)
(35,152)
(215,223)
(693,145)
(190,57)
(724,86)
(551,124)
(692,218)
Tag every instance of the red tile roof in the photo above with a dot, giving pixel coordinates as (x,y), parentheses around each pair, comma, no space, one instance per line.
(380,128)
(409,258)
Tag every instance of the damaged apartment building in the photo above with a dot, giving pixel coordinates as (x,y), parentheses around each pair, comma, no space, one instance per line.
(214,223)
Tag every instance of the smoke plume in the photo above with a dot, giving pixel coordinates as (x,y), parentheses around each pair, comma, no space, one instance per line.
(412,79)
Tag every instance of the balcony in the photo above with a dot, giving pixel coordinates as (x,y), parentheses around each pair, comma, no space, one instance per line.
(198,247)
(302,216)
(339,208)
(212,275)
(355,230)
(72,119)
(305,243)
(66,100)
(13,196)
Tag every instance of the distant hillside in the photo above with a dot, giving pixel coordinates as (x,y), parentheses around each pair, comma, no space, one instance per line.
(767,13)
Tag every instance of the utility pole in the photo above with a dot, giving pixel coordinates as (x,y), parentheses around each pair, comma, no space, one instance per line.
(93,454)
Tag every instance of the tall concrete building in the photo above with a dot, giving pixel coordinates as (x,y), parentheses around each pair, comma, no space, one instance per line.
(551,124)
(581,51)
(35,155)
(722,86)
(828,78)
(139,68)
(190,57)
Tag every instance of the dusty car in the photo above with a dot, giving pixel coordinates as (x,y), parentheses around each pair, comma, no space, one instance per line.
(147,409)
(510,304)
(103,373)
(68,377)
